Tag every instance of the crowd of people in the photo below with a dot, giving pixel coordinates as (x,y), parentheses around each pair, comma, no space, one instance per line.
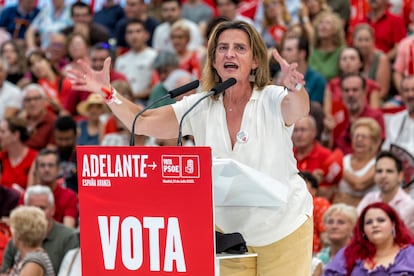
(323,104)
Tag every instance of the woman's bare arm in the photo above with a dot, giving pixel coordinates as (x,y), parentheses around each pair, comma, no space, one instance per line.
(160,122)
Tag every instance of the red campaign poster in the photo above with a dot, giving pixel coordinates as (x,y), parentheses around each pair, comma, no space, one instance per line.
(146,210)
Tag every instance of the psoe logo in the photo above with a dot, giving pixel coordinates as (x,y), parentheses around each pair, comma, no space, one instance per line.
(185,166)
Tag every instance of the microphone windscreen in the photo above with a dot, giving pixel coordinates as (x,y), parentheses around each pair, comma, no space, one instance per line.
(184,89)
(224,85)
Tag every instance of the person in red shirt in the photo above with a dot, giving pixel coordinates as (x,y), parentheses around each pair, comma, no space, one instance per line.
(320,205)
(40,119)
(66,201)
(56,86)
(354,98)
(389,28)
(16,158)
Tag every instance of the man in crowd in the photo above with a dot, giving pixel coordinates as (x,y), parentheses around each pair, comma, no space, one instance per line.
(388,177)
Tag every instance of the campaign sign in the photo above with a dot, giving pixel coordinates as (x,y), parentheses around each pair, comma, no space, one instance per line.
(146,210)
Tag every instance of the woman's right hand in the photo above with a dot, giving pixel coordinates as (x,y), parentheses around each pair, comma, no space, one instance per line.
(87,79)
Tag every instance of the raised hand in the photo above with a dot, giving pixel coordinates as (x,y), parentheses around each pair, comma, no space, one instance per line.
(291,78)
(86,79)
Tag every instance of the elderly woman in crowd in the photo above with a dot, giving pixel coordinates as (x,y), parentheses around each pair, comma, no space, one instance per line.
(28,226)
(339,222)
(236,50)
(359,166)
(381,245)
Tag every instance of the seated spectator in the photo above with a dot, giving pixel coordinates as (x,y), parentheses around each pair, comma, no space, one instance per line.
(188,59)
(400,131)
(307,150)
(198,11)
(381,244)
(228,8)
(171,13)
(166,65)
(389,28)
(46,171)
(77,47)
(65,130)
(29,227)
(16,158)
(56,86)
(39,118)
(15,19)
(388,178)
(320,205)
(136,64)
(12,52)
(339,222)
(400,126)
(350,62)
(10,94)
(109,15)
(91,129)
(295,49)
(337,129)
(359,166)
(98,53)
(81,14)
(59,238)
(329,39)
(52,18)
(376,64)
(56,52)
(276,20)
(135,10)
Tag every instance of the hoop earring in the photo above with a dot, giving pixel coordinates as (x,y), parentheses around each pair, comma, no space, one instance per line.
(393,232)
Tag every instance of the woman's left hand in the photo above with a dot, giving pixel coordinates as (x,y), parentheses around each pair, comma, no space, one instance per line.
(291,78)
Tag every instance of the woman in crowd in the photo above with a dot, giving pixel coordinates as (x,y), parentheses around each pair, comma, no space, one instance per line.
(77,47)
(328,41)
(309,11)
(236,50)
(376,65)
(12,52)
(56,86)
(91,128)
(359,166)
(28,226)
(188,59)
(16,158)
(381,245)
(339,221)
(276,21)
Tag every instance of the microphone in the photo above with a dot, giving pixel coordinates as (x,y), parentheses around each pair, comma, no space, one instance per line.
(219,88)
(171,94)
